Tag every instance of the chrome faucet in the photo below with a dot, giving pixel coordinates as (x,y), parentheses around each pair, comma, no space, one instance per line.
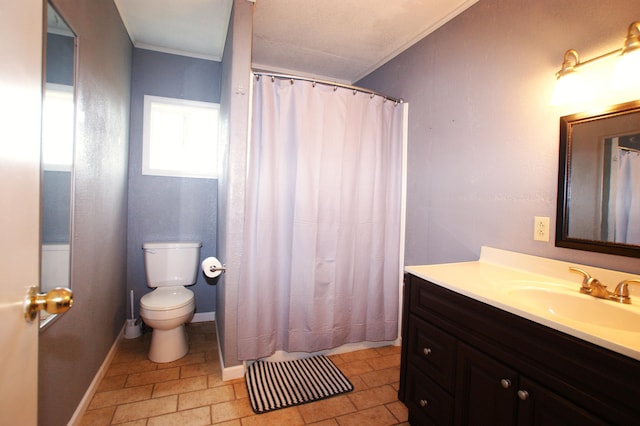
(621,292)
(591,286)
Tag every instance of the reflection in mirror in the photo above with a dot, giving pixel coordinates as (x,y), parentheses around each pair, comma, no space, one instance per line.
(58,122)
(599,181)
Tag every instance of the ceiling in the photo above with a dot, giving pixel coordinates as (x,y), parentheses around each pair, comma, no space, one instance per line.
(337,40)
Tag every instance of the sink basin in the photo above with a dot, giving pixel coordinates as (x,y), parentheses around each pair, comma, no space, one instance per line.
(574,306)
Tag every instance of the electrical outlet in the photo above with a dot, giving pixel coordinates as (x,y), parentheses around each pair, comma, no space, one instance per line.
(541,228)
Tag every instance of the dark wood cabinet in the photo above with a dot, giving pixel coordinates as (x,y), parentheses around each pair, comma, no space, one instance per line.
(538,406)
(428,404)
(467,363)
(486,392)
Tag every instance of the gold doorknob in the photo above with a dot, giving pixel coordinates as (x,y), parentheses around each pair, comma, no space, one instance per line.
(55,301)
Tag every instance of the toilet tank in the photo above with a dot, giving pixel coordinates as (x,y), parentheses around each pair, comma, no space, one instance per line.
(171,263)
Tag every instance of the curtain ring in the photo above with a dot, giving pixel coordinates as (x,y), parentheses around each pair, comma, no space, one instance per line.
(371,96)
(335,88)
(257,77)
(291,81)
(273,79)
(313,84)
(354,92)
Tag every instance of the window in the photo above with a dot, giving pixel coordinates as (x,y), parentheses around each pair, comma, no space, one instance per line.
(57,127)
(180,138)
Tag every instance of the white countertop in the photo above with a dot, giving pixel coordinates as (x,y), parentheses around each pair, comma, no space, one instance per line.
(497,272)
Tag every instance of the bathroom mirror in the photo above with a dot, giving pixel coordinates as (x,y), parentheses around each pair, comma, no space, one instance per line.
(58,124)
(599,181)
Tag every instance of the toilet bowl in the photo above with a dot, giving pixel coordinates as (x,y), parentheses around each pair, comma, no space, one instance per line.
(169,267)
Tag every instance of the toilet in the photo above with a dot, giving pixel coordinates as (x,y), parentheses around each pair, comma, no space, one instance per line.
(169,267)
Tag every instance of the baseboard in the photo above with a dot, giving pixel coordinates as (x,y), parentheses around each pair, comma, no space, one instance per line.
(232,373)
(204,316)
(93,387)
(228,373)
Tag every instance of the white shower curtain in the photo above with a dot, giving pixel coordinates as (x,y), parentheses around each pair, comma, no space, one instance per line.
(321,245)
(627,228)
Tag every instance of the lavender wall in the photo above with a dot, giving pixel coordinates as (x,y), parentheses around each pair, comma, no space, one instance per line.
(234,118)
(483,139)
(169,208)
(73,348)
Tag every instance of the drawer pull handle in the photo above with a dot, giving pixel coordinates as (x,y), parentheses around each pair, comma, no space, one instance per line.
(505,383)
(426,351)
(423,403)
(523,395)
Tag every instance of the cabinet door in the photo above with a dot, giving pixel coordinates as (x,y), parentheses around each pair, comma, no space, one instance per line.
(539,406)
(486,390)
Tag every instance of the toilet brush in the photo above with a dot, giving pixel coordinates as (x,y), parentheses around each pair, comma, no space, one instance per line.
(131,303)
(132,329)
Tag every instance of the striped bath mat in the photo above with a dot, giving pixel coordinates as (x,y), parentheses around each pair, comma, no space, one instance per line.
(274,385)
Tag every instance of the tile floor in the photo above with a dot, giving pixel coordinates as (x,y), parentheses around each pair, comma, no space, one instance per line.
(190,391)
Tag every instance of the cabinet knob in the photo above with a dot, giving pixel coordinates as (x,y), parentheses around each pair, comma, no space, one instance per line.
(426,351)
(523,395)
(505,383)
(423,403)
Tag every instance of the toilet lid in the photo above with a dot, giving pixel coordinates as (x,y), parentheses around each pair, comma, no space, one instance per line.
(166,298)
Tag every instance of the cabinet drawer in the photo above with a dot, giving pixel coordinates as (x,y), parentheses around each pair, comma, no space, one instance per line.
(432,351)
(428,404)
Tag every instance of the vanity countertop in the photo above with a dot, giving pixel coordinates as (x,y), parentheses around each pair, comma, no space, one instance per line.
(512,281)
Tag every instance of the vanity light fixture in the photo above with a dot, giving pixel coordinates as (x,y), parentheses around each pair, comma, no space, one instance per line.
(570,86)
(632,42)
(570,83)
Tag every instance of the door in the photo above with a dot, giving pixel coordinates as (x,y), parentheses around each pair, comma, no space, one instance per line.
(20,106)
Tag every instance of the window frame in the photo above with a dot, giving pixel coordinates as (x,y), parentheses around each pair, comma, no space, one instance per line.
(180,172)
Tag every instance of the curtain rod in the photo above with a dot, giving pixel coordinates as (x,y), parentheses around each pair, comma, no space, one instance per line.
(327,83)
(628,148)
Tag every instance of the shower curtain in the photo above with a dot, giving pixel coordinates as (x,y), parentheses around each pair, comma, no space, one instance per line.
(627,228)
(321,264)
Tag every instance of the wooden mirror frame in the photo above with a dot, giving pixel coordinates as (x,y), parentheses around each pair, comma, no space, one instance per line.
(563,239)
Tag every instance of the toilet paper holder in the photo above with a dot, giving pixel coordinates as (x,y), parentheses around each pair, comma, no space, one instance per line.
(222,268)
(212,267)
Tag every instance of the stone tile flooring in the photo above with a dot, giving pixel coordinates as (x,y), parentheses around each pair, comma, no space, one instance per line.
(190,391)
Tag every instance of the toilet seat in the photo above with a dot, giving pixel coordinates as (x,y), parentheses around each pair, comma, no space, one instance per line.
(167,299)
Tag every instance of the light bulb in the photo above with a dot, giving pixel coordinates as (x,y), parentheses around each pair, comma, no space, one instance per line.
(627,72)
(570,88)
